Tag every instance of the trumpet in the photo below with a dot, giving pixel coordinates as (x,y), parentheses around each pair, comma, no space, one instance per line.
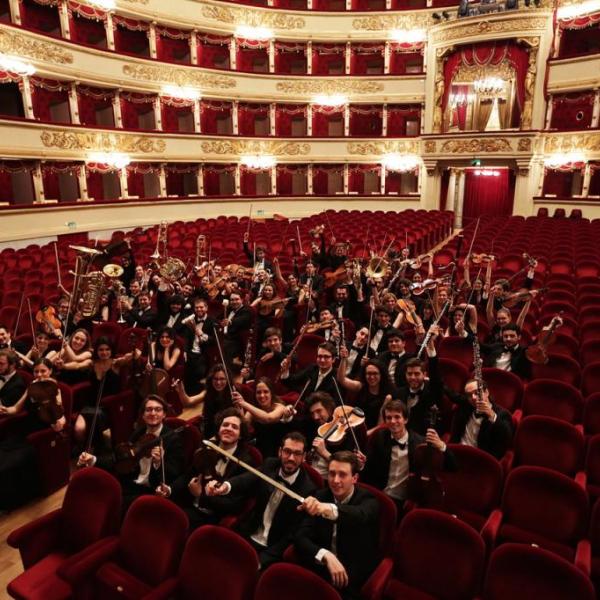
(161,240)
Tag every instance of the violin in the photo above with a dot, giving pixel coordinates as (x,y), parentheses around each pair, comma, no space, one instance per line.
(331,279)
(342,419)
(523,296)
(538,352)
(48,320)
(265,306)
(44,397)
(313,327)
(420,287)
(408,308)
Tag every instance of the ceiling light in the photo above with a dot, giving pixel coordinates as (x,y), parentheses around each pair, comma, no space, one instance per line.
(184,93)
(577,9)
(564,158)
(487,172)
(105,4)
(113,159)
(408,36)
(330,99)
(400,162)
(263,161)
(15,65)
(489,86)
(253,33)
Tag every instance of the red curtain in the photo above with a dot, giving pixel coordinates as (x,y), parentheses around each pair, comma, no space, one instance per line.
(398,115)
(247,115)
(213,50)
(572,111)
(131,36)
(406,58)
(285,175)
(284,114)
(133,105)
(487,195)
(210,111)
(174,175)
(41,16)
(211,178)
(95,184)
(172,109)
(45,94)
(559,182)
(321,117)
(326,179)
(289,54)
(252,56)
(404,4)
(366,57)
(366,120)
(89,100)
(326,57)
(86,24)
(458,117)
(50,173)
(580,36)
(594,189)
(7,193)
(173,45)
(356,176)
(367,5)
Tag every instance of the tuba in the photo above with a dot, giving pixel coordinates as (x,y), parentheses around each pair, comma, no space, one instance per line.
(377,267)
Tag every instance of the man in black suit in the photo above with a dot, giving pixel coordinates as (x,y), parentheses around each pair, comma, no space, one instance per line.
(346,305)
(509,355)
(12,386)
(142,316)
(339,539)
(395,357)
(236,324)
(171,312)
(271,524)
(379,330)
(312,280)
(480,422)
(320,376)
(7,343)
(199,337)
(356,352)
(257,257)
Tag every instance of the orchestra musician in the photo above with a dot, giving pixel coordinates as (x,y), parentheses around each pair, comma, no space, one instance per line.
(142,315)
(395,357)
(236,323)
(7,343)
(74,359)
(12,385)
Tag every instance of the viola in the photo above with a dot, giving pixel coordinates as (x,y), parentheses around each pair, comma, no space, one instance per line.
(408,308)
(44,397)
(342,419)
(538,353)
(521,296)
(313,327)
(331,279)
(48,320)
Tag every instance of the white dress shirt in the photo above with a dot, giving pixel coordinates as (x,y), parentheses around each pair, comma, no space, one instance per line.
(399,470)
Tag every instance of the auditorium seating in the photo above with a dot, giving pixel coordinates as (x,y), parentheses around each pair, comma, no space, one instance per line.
(294,583)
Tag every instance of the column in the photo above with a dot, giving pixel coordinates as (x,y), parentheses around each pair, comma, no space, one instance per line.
(450,200)
(110,32)
(271,56)
(587,176)
(117,109)
(273,173)
(459,199)
(272,115)
(346,120)
(25,88)
(382,174)
(200,180)
(73,104)
(526,180)
(347,56)
(82,180)
(194,47)
(152,40)
(596,112)
(197,125)
(309,182)
(63,15)
(386,57)
(233,54)
(422,118)
(234,117)
(162,180)
(424,53)
(309,56)
(123,181)
(238,183)
(348,4)
(309,120)
(549,111)
(384,121)
(346,178)
(38,187)
(15,11)
(309,5)
(157,114)
(388,4)
(557,41)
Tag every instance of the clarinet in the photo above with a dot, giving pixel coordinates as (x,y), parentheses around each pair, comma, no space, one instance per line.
(430,330)
(249,350)
(477,373)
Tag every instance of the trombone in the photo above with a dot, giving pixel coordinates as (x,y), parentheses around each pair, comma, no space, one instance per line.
(161,240)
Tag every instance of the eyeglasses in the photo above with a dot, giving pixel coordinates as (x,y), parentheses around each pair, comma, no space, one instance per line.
(288,452)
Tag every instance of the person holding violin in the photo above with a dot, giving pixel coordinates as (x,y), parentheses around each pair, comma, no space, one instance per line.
(7,343)
(40,347)
(74,359)
(258,258)
(462,321)
(347,303)
(327,327)
(311,279)
(267,417)
(150,461)
(12,384)
(268,308)
(42,405)
(391,456)
(503,317)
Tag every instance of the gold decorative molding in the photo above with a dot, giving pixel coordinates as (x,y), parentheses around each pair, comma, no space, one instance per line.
(524,145)
(183,77)
(530,78)
(322,86)
(239,147)
(388,147)
(430,147)
(102,142)
(515,25)
(476,146)
(252,18)
(387,22)
(585,141)
(16,44)
(137,1)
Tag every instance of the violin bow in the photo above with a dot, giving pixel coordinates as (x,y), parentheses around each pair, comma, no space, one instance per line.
(372,306)
(474,236)
(301,394)
(249,220)
(88,446)
(339,394)
(57,265)
(31,321)
(18,319)
(223,360)
(162,463)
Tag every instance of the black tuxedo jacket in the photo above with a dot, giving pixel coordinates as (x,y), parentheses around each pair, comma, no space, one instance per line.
(298,380)
(519,363)
(357,535)
(317,282)
(189,334)
(12,390)
(398,378)
(138,318)
(287,517)
(239,324)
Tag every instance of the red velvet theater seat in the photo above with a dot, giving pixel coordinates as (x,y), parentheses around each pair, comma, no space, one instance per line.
(209,553)
(140,558)
(523,572)
(542,507)
(505,387)
(553,399)
(284,580)
(90,511)
(436,556)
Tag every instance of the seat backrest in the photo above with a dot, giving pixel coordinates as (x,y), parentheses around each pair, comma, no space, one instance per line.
(217,550)
(558,367)
(590,379)
(553,399)
(458,549)
(144,549)
(591,414)
(292,582)
(91,509)
(506,388)
(388,516)
(190,436)
(520,571)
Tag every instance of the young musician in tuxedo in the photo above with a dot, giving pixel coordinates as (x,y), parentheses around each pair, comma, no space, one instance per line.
(7,343)
(339,538)
(237,322)
(171,312)
(199,337)
(143,315)
(257,257)
(12,385)
(509,355)
(321,376)
(395,357)
(271,524)
(356,353)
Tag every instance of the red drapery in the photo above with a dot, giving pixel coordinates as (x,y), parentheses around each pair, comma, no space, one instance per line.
(366,59)
(328,59)
(86,24)
(94,180)
(247,118)
(47,93)
(559,182)
(328,179)
(458,116)
(286,174)
(285,114)
(398,115)
(175,178)
(173,45)
(135,178)
(172,109)
(594,189)
(50,173)
(90,100)
(321,117)
(406,58)
(357,174)
(213,50)
(212,178)
(572,111)
(329,5)
(133,106)
(487,194)
(7,168)
(367,5)
(42,16)
(210,113)
(252,55)
(290,57)
(131,36)
(580,35)
(401,183)
(366,120)
(248,180)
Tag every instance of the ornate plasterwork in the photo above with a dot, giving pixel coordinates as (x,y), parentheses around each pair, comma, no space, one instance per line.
(387,22)
(476,146)
(524,145)
(239,147)
(322,86)
(586,141)
(137,1)
(102,142)
(183,77)
(388,147)
(252,18)
(430,147)
(479,28)
(16,44)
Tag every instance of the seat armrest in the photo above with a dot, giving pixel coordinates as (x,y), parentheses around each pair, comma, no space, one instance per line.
(164,591)
(581,480)
(375,586)
(516,417)
(506,462)
(36,539)
(583,556)
(77,568)
(489,531)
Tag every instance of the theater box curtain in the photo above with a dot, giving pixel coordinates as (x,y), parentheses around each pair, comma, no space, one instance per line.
(213,51)
(488,192)
(173,45)
(87,24)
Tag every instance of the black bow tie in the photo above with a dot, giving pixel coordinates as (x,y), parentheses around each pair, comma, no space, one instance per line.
(401,445)
(509,350)
(394,355)
(200,321)
(412,395)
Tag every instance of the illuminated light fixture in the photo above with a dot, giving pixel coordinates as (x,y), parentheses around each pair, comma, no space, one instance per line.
(330,99)
(183,93)
(259,161)
(408,36)
(577,9)
(113,159)
(487,172)
(489,86)
(15,65)
(560,159)
(461,99)
(105,4)
(253,33)
(401,162)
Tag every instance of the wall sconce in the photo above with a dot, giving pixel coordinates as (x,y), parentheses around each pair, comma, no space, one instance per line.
(401,162)
(113,159)
(15,65)
(408,36)
(330,99)
(253,33)
(260,161)
(181,92)
(561,159)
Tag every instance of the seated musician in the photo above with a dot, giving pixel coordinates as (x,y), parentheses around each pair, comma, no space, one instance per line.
(236,323)
(171,312)
(310,278)
(165,350)
(272,346)
(18,475)
(143,315)
(508,355)
(189,489)
(390,458)
(12,384)
(268,308)
(395,357)
(346,304)
(379,329)
(328,327)
(74,359)
(257,257)
(356,353)
(463,321)
(479,422)
(144,467)
(271,524)
(7,343)
(40,347)
(339,537)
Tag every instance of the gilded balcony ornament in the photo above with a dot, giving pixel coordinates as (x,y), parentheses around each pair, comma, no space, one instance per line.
(387,22)
(255,147)
(430,147)
(524,145)
(471,146)
(322,86)
(590,142)
(179,77)
(489,27)
(252,18)
(16,44)
(388,147)
(102,142)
